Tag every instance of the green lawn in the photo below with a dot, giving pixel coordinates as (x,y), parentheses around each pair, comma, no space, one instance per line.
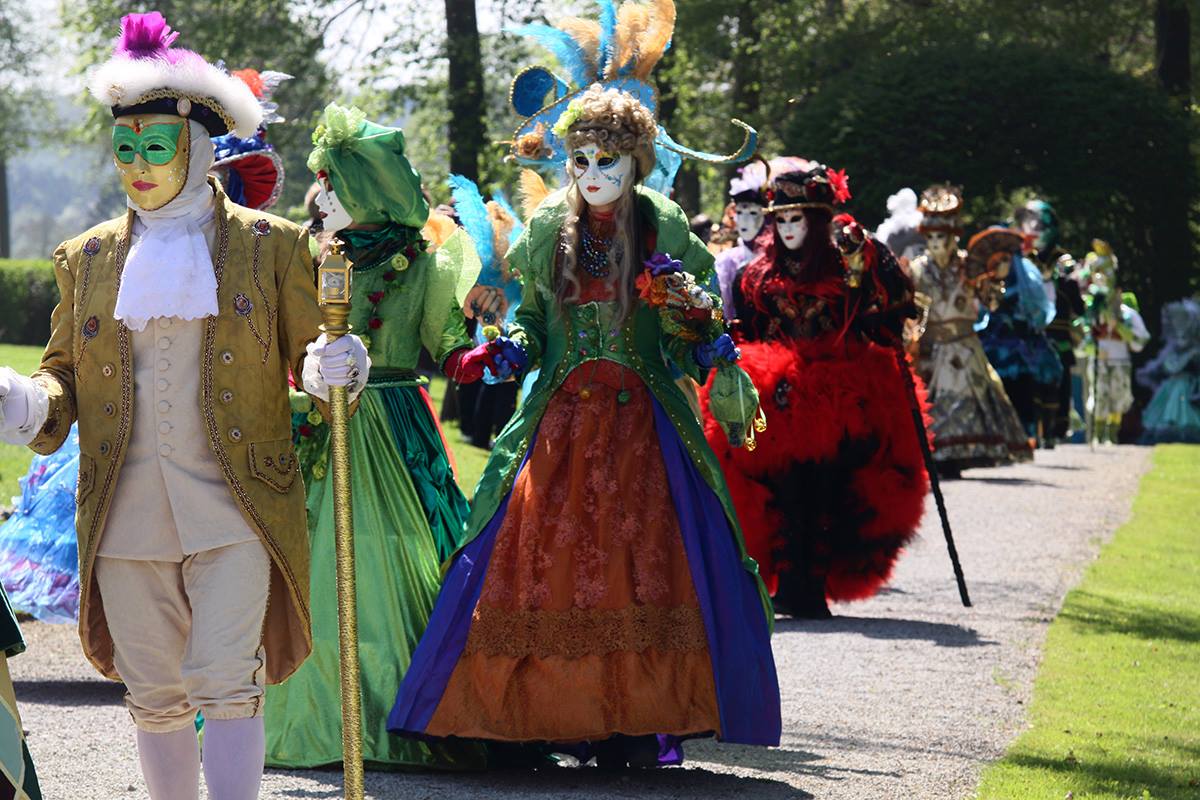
(469,459)
(14,461)
(1116,708)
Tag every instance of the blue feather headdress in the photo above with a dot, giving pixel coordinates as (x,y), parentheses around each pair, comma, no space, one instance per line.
(619,51)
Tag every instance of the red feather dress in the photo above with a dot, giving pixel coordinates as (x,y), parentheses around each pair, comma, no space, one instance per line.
(837,484)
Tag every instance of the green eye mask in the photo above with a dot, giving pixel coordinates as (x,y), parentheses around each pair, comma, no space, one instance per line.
(157,143)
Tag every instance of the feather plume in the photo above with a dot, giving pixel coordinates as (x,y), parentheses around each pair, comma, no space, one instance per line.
(566,50)
(472,213)
(518,226)
(531,190)
(657,38)
(586,33)
(632,19)
(146,36)
(608,34)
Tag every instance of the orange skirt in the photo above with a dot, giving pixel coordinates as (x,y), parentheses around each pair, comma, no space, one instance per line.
(588,623)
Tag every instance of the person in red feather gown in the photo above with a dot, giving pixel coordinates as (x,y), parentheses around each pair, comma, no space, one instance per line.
(837,484)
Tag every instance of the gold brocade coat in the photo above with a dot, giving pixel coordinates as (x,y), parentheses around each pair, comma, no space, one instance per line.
(268,314)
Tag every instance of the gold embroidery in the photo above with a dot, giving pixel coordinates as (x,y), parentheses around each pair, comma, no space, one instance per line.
(579,632)
(255,265)
(110,475)
(210,421)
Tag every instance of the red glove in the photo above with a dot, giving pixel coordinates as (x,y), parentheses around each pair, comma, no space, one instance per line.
(466,366)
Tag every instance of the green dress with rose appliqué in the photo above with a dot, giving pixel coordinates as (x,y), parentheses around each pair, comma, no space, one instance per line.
(408,516)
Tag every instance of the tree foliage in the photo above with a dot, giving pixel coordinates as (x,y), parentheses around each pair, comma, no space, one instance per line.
(1011,121)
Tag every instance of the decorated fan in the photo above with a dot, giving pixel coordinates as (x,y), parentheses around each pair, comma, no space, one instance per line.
(249,168)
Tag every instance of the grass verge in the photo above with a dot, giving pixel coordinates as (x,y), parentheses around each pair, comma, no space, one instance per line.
(14,460)
(1116,707)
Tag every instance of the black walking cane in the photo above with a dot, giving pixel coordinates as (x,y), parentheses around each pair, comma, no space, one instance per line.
(931,467)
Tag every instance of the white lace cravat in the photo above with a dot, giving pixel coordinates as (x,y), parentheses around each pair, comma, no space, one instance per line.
(169,271)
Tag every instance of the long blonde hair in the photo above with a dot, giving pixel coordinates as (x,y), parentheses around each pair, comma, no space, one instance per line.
(624,253)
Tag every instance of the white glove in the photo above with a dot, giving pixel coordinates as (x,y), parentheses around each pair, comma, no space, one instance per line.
(342,362)
(24,406)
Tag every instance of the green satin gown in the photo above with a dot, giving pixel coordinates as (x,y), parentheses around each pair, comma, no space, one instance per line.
(408,516)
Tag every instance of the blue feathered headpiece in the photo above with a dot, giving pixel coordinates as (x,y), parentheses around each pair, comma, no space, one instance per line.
(619,51)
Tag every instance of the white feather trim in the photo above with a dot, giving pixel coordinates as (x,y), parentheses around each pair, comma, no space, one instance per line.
(122,81)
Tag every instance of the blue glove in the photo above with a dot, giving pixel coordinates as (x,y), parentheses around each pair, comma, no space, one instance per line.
(508,356)
(722,347)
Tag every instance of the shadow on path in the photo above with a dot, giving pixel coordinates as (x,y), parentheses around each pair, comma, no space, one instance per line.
(559,782)
(794,761)
(940,633)
(998,481)
(70,693)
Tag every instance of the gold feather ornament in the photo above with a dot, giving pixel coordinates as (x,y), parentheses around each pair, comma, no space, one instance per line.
(632,20)
(656,39)
(586,34)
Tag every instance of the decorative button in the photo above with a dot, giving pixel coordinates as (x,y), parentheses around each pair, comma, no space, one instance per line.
(105,447)
(108,370)
(163,384)
(164,322)
(163,406)
(226,357)
(164,427)
(110,409)
(164,343)
(235,434)
(163,365)
(226,396)
(166,450)
(583,351)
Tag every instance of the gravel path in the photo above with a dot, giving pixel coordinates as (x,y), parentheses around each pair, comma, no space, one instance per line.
(905,695)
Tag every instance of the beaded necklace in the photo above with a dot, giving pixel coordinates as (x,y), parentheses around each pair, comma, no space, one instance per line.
(594,248)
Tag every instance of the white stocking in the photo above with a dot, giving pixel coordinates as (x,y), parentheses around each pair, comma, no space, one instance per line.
(234,751)
(170,764)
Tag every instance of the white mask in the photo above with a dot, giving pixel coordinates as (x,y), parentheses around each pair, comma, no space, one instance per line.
(601,177)
(941,245)
(334,216)
(792,227)
(1033,226)
(748,217)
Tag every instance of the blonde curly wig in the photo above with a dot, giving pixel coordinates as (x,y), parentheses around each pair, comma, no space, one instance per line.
(615,121)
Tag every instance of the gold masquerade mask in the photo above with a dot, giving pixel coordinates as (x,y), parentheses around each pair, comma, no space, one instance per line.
(151,152)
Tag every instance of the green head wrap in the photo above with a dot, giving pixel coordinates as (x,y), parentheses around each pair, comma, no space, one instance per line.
(366,163)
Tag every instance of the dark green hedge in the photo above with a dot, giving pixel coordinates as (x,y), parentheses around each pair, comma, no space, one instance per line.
(28,293)
(1109,151)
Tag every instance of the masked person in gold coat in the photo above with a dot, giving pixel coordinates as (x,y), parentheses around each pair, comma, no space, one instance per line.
(171,346)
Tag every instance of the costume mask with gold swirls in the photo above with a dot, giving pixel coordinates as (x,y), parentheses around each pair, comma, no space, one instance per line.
(151,152)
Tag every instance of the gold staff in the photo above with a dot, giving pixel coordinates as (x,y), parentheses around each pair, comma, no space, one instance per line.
(334,290)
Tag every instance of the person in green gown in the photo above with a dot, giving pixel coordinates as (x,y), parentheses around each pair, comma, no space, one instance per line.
(18,779)
(408,510)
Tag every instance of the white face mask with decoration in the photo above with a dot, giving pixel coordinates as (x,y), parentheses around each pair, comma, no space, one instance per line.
(748,217)
(792,227)
(601,177)
(334,216)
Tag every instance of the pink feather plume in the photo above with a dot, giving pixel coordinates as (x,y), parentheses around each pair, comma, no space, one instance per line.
(147,36)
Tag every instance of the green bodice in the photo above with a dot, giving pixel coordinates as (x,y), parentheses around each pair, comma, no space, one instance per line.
(418,308)
(593,332)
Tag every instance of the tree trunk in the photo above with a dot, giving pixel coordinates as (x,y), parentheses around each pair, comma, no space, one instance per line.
(1172,35)
(5,249)
(467,129)
(1173,47)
